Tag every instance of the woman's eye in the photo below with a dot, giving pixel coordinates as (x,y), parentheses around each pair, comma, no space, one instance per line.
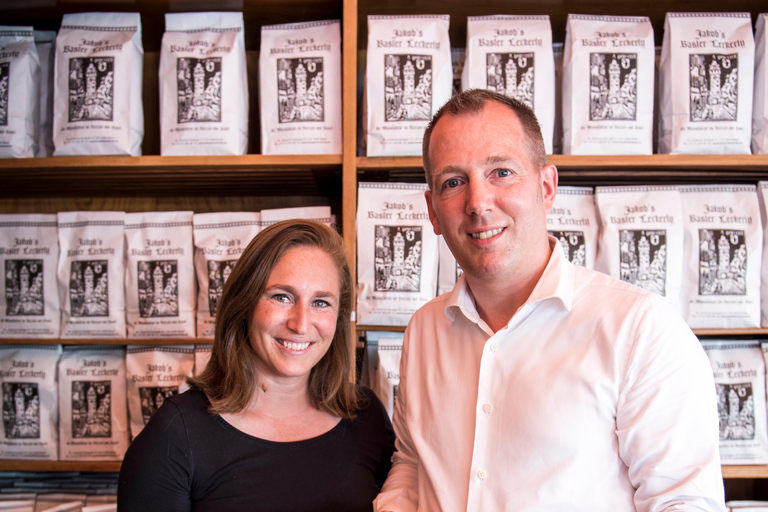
(281,297)
(322,303)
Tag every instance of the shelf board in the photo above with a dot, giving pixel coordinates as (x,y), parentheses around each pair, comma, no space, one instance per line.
(109,175)
(52,465)
(604,170)
(760,471)
(106,341)
(697,332)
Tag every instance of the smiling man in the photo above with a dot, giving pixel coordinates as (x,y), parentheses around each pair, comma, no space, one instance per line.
(536,385)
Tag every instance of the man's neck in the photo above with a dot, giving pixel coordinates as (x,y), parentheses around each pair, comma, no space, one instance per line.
(498,300)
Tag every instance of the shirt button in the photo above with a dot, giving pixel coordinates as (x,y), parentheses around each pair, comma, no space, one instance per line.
(481,474)
(494,347)
(487,408)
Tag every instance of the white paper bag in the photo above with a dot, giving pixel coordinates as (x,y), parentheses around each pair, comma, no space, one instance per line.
(642,238)
(300,88)
(739,371)
(97,105)
(159,275)
(408,77)
(19,92)
(573,221)
(203,85)
(318,213)
(29,254)
(448,269)
(220,238)
(608,69)
(396,253)
(93,415)
(202,356)
(390,350)
(723,251)
(512,55)
(705,82)
(45,41)
(30,402)
(760,106)
(154,373)
(762,196)
(91,274)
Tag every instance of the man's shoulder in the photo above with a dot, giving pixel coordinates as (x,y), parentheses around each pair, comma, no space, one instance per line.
(594,289)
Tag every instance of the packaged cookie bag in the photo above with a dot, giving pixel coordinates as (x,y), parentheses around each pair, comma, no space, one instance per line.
(97,104)
(203,85)
(705,83)
(159,275)
(608,70)
(397,253)
(220,238)
(30,404)
(573,221)
(29,254)
(512,55)
(300,88)
(91,274)
(408,77)
(19,91)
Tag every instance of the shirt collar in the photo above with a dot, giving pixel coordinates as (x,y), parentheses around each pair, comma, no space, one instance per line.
(556,282)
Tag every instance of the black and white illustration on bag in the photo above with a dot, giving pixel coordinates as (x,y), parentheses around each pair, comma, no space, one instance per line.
(158,288)
(714,87)
(408,87)
(89,288)
(24,288)
(398,258)
(5,77)
(722,262)
(199,89)
(21,410)
(643,257)
(736,409)
(511,74)
(613,86)
(91,88)
(91,409)
(218,273)
(153,397)
(300,92)
(574,247)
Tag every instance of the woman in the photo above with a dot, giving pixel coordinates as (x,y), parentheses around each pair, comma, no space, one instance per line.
(273,422)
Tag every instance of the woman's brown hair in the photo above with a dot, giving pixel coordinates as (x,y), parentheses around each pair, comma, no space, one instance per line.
(229,379)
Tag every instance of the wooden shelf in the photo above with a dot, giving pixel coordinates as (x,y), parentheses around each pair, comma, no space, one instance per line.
(109,341)
(604,170)
(760,471)
(49,465)
(109,175)
(698,332)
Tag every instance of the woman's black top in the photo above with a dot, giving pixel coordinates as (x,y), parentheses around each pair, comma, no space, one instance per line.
(186,459)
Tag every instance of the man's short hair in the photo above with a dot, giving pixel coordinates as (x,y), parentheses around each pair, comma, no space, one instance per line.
(473,101)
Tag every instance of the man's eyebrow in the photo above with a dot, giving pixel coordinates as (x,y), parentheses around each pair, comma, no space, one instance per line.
(496,159)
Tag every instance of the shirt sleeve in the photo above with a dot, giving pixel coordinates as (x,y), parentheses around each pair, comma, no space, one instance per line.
(155,474)
(667,422)
(400,491)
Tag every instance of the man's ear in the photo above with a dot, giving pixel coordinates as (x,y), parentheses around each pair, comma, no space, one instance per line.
(549,179)
(432,215)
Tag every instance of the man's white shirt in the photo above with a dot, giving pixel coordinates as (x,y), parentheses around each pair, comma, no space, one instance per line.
(595,397)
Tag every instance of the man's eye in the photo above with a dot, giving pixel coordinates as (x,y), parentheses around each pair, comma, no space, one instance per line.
(451,183)
(503,173)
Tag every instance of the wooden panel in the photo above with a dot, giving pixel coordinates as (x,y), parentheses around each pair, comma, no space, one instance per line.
(42,465)
(745,471)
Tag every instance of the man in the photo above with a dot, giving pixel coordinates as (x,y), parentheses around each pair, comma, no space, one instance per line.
(536,385)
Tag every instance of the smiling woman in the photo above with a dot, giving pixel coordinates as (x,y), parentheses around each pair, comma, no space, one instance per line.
(274,407)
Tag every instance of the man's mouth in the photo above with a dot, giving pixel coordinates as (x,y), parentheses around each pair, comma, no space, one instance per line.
(487,234)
